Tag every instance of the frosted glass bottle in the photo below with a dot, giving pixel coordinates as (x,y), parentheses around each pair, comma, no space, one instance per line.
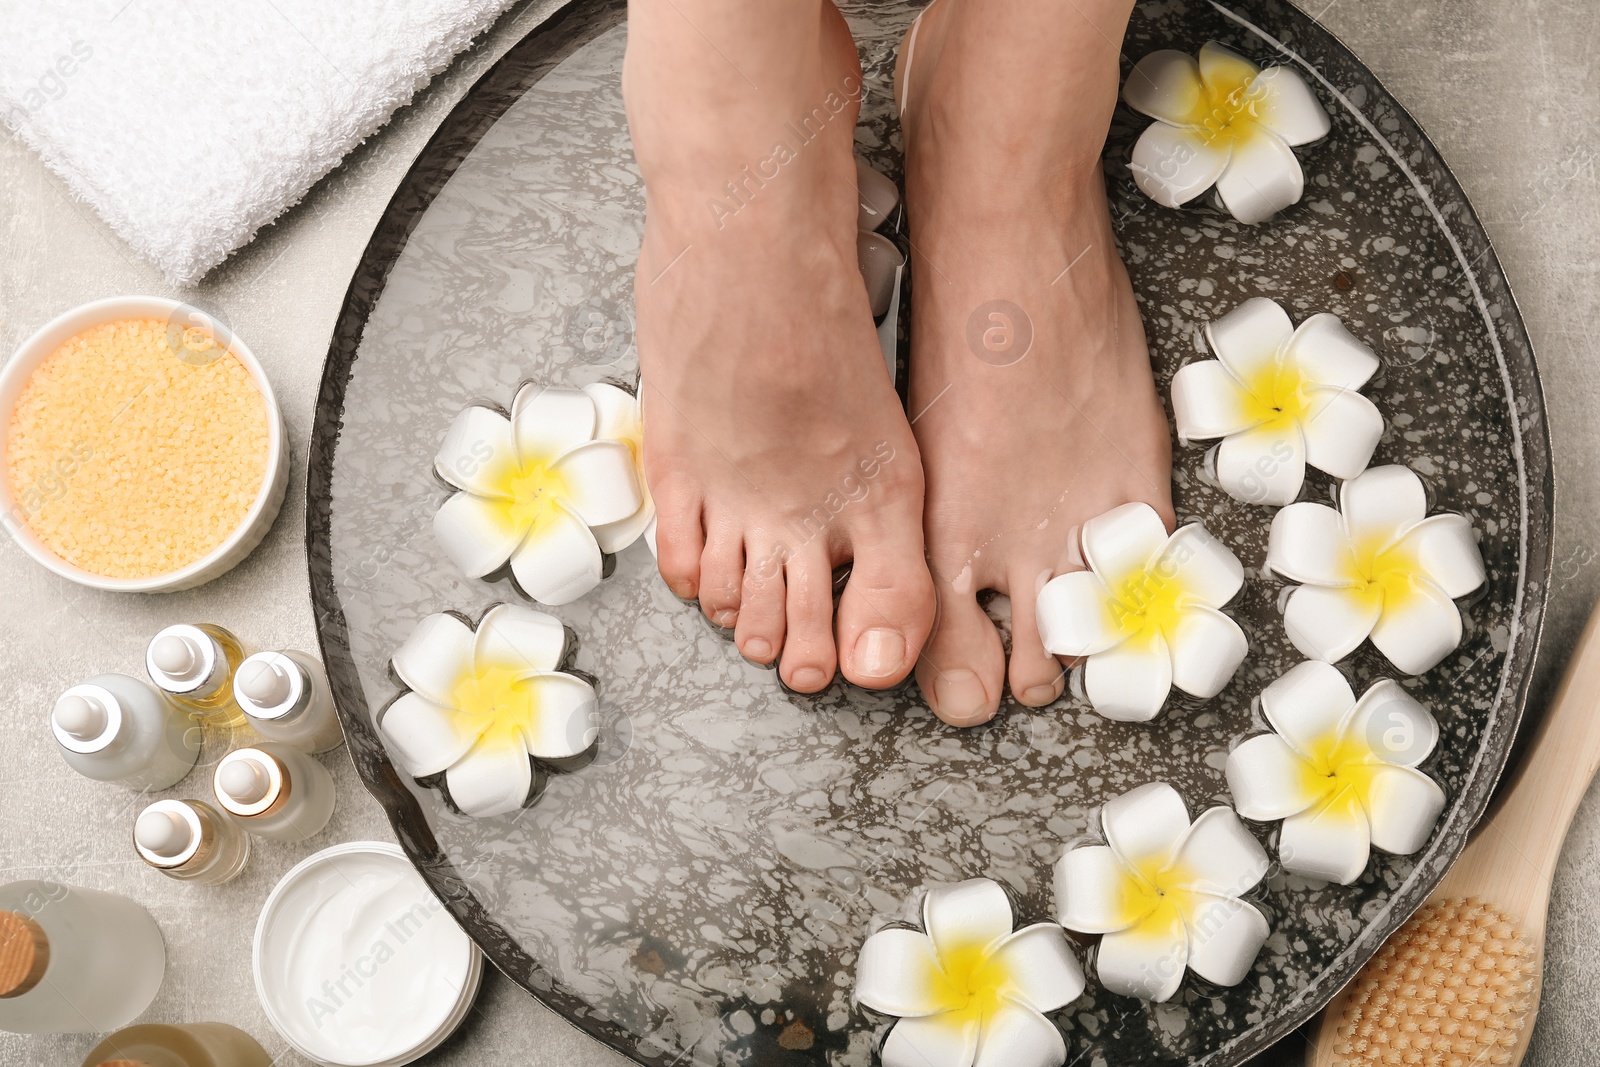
(194,665)
(191,841)
(285,696)
(118,729)
(275,791)
(184,1045)
(74,960)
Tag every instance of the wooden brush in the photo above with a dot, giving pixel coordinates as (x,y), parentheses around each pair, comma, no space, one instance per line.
(1458,985)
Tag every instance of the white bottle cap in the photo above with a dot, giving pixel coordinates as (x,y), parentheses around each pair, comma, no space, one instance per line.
(86,718)
(81,716)
(270,685)
(264,682)
(169,833)
(186,660)
(243,781)
(250,782)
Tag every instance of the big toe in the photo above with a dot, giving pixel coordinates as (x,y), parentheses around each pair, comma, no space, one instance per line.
(962,669)
(885,612)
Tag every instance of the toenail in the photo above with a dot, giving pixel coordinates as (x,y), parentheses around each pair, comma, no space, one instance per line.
(879,653)
(683,587)
(726,618)
(808,679)
(959,694)
(1039,696)
(758,648)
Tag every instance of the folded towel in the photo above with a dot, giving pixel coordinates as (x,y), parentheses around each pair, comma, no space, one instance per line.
(190,124)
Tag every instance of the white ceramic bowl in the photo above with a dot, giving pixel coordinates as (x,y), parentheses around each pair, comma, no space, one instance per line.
(245,536)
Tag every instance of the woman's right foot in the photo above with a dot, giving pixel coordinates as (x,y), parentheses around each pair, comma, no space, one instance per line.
(775,445)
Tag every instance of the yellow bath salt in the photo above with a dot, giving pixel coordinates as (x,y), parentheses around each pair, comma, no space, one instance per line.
(132,454)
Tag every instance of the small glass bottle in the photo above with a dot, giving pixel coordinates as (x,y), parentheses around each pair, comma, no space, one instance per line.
(184,1045)
(285,696)
(113,728)
(275,791)
(191,841)
(194,665)
(74,960)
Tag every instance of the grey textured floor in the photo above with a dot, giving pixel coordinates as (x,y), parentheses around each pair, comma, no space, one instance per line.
(1507,91)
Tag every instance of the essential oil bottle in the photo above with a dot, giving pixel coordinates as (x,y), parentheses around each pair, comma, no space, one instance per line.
(113,728)
(191,841)
(275,791)
(286,698)
(183,1045)
(194,664)
(74,960)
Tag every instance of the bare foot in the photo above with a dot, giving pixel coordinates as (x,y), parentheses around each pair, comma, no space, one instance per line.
(1031,388)
(775,445)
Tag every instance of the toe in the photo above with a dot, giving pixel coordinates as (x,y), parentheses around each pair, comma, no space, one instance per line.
(1037,677)
(885,612)
(808,653)
(680,538)
(721,573)
(962,669)
(759,633)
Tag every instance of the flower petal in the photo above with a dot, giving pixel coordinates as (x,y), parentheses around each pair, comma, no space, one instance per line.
(1015,1035)
(424,737)
(518,639)
(602,482)
(548,420)
(1341,430)
(1148,960)
(1225,937)
(493,778)
(1307,705)
(1208,402)
(1262,177)
(1443,545)
(1403,804)
(1225,71)
(1206,568)
(1418,627)
(949,1039)
(1219,856)
(1121,542)
(477,451)
(1381,505)
(476,532)
(1166,85)
(1328,354)
(1095,892)
(559,561)
(1250,338)
(1330,841)
(616,413)
(966,915)
(1307,543)
(1392,726)
(616,536)
(1266,465)
(1270,781)
(897,973)
(1075,615)
(432,659)
(1044,973)
(1206,649)
(1329,624)
(564,715)
(1172,165)
(1282,102)
(1146,825)
(1130,682)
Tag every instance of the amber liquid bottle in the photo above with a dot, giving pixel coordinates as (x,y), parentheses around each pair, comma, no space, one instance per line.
(185,1045)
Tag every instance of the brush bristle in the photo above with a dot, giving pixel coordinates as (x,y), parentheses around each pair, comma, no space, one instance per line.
(1451,988)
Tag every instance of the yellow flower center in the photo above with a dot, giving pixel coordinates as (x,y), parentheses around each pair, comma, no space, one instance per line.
(492,702)
(1387,576)
(971,983)
(1153,896)
(1278,393)
(526,494)
(1227,107)
(1148,602)
(1339,771)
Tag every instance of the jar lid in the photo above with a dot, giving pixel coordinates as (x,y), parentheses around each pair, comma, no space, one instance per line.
(173,833)
(86,718)
(24,953)
(184,659)
(250,782)
(271,685)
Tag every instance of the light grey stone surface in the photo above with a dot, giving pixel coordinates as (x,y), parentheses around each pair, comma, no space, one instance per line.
(1508,94)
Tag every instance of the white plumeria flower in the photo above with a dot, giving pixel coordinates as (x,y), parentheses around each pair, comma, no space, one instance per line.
(480,703)
(1280,398)
(620,417)
(1378,567)
(1145,613)
(1221,122)
(535,488)
(1164,893)
(969,992)
(1340,772)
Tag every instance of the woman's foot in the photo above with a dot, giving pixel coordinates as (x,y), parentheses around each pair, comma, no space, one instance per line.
(1032,394)
(775,445)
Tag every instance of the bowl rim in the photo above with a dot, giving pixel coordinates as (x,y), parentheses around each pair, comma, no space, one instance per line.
(44,341)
